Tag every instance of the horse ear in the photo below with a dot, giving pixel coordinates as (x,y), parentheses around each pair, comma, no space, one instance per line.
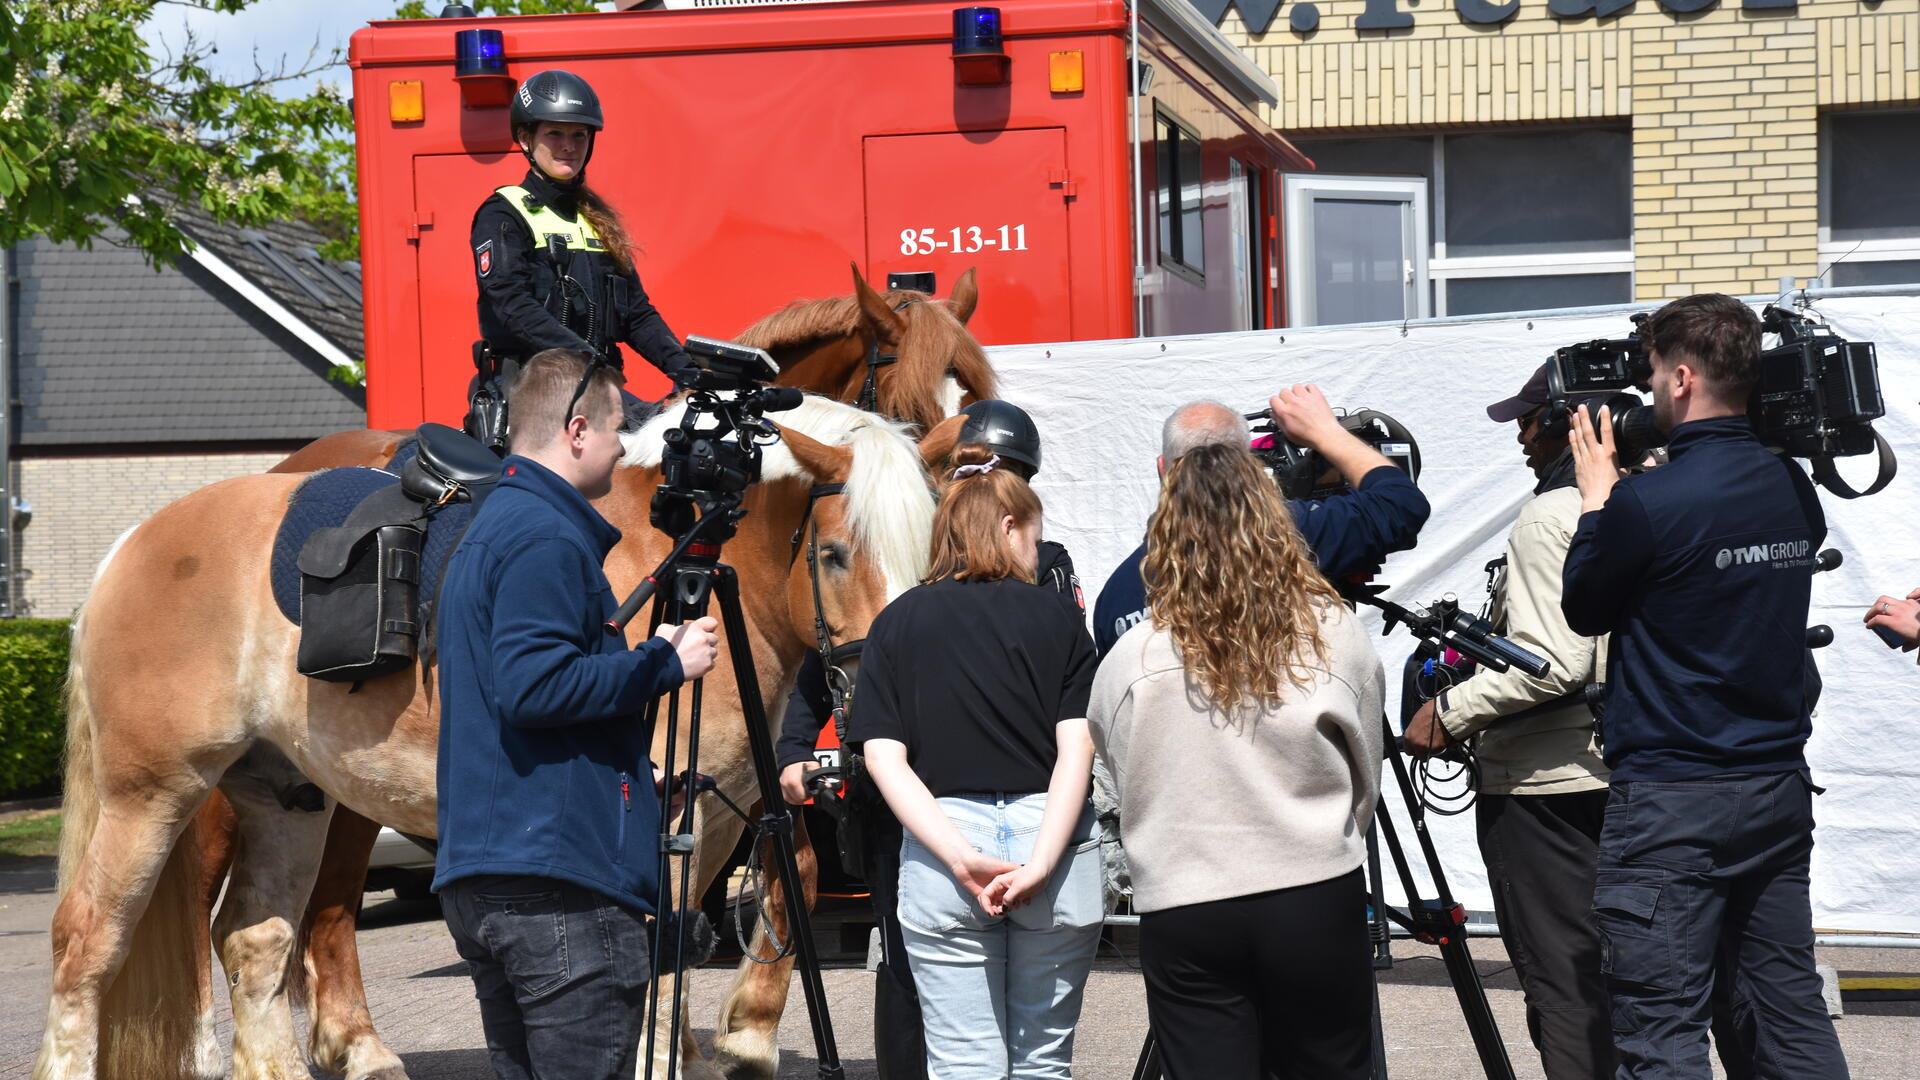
(826,464)
(887,325)
(936,446)
(965,297)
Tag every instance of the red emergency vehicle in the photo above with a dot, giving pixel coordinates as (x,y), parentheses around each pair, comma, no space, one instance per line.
(756,150)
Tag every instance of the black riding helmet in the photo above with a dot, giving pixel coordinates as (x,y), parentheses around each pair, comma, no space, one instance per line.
(1003,427)
(558,97)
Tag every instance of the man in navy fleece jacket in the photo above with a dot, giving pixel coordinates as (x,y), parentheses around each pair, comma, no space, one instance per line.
(1702,571)
(547,808)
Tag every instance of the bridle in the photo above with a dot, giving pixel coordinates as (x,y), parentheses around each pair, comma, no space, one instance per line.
(869,399)
(832,656)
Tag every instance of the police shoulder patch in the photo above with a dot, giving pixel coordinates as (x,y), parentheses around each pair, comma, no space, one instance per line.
(484,253)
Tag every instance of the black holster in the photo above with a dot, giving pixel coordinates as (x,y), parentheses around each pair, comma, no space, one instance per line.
(486,420)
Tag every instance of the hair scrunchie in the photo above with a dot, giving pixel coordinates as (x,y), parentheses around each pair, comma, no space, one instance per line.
(981,469)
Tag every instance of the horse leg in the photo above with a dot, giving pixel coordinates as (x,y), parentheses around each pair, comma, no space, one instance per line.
(127,872)
(341,1037)
(273,871)
(214,828)
(746,1039)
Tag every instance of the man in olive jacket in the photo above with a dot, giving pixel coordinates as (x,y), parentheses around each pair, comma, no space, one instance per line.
(1543,790)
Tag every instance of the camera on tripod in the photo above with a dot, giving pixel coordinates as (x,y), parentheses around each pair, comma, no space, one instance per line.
(1816,397)
(715,449)
(1303,473)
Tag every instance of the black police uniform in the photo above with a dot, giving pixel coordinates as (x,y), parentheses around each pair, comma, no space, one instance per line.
(1701,570)
(521,309)
(898,1043)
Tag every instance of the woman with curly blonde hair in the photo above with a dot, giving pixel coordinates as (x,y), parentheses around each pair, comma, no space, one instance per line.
(1242,723)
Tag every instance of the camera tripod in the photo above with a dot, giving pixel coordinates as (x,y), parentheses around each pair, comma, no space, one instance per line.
(703,471)
(1437,920)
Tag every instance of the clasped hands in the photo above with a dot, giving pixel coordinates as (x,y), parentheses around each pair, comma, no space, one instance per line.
(998,885)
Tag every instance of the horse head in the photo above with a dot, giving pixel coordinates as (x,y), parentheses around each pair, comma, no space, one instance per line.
(923,362)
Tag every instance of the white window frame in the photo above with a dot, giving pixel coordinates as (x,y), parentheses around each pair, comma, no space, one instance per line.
(1302,188)
(1445,268)
(1831,251)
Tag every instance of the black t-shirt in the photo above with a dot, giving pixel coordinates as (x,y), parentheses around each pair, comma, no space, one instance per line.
(973,677)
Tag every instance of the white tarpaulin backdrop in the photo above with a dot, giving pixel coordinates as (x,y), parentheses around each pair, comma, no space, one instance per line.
(1099,406)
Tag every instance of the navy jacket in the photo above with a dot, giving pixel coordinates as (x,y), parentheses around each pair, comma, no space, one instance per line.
(543,766)
(1702,571)
(1351,535)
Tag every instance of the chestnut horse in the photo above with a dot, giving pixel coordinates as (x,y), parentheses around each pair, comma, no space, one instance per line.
(823,346)
(182,679)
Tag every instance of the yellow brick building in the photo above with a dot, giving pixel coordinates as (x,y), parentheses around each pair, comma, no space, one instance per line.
(1574,159)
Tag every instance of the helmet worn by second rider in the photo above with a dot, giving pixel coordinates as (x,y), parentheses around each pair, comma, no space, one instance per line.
(1005,428)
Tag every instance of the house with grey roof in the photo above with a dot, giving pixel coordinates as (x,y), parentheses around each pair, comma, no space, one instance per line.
(131,387)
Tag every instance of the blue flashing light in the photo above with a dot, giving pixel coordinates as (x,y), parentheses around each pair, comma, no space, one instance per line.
(479,52)
(976,30)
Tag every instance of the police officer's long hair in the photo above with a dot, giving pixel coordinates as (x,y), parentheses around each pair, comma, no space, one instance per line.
(1230,578)
(599,212)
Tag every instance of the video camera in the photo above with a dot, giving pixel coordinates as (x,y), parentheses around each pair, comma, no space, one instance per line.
(1816,397)
(1302,473)
(715,449)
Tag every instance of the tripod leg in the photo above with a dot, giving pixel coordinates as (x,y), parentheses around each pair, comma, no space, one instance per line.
(745,1037)
(778,819)
(1148,1066)
(1442,920)
(1379,1034)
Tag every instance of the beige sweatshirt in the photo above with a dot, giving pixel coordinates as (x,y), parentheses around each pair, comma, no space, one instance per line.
(1215,806)
(1551,752)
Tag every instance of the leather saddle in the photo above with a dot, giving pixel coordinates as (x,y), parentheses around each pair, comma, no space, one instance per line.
(361,614)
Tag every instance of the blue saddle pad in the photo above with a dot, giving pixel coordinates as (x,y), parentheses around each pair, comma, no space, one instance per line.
(325,499)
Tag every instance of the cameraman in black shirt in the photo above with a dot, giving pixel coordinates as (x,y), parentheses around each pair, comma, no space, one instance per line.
(1702,572)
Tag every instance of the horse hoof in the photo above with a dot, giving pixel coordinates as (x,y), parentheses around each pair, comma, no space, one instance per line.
(731,1066)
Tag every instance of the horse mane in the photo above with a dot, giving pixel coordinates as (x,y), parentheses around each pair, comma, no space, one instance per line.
(914,392)
(888,504)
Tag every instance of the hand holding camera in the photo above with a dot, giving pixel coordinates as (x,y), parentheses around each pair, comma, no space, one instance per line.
(1596,464)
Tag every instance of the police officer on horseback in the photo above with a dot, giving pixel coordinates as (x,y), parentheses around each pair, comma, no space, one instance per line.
(553,261)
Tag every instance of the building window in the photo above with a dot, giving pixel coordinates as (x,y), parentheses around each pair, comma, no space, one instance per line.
(1182,231)
(1869,203)
(1519,220)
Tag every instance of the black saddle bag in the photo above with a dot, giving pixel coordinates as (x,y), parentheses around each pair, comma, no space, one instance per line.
(360,607)
(360,591)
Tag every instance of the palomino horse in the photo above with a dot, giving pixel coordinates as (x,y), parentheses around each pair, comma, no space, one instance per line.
(822,346)
(183,679)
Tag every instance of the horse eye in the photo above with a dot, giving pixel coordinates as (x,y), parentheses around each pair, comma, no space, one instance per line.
(836,556)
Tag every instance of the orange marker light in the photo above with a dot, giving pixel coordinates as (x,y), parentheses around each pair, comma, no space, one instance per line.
(1067,72)
(406,101)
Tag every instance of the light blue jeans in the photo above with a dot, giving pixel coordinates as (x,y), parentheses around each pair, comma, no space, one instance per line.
(1001,996)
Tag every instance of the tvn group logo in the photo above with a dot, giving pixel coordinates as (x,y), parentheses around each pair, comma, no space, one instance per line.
(1779,556)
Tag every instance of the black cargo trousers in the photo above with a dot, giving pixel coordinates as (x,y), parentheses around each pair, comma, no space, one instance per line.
(1698,870)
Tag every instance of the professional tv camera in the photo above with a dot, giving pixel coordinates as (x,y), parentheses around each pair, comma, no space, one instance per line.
(1304,474)
(1816,398)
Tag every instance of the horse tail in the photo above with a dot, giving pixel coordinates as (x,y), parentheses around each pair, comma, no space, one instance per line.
(149,1016)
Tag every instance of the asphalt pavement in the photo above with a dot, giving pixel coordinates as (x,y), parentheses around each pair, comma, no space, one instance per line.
(424,1005)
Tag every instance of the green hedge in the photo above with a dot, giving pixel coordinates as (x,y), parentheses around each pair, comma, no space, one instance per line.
(33,724)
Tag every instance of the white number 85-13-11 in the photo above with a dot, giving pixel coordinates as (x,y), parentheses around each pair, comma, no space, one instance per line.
(965,239)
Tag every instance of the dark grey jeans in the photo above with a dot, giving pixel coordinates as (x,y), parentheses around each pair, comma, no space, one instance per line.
(561,974)
(1694,870)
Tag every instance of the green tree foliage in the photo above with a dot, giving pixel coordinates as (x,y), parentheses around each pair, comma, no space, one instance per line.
(95,131)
